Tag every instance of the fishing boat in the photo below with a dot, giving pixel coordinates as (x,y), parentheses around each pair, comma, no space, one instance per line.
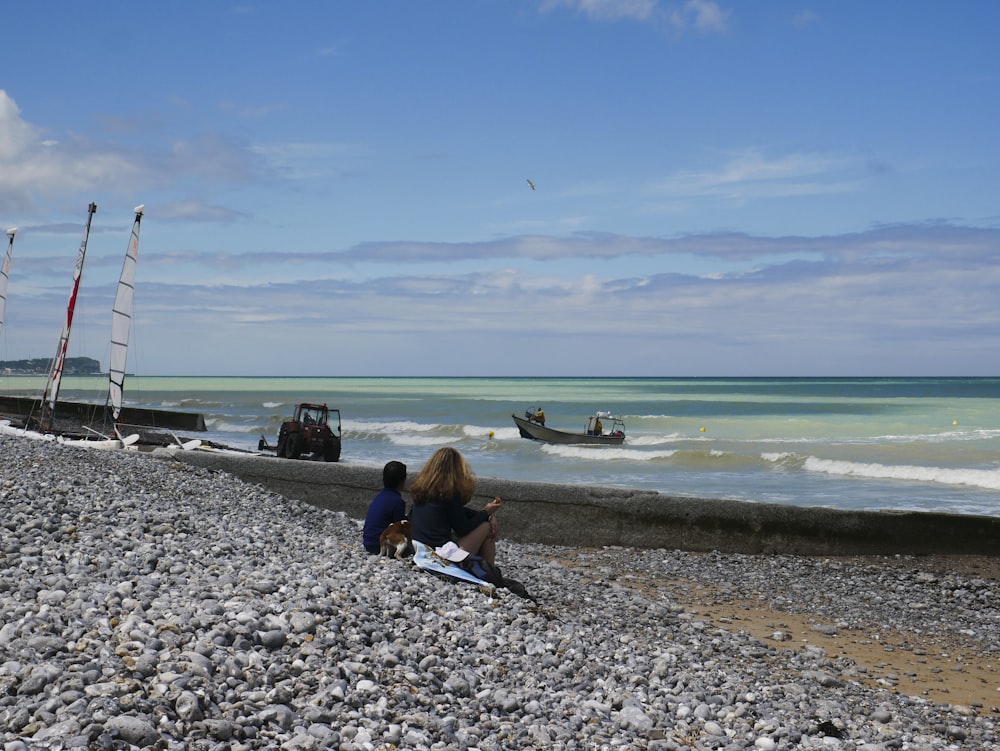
(602,429)
(120,327)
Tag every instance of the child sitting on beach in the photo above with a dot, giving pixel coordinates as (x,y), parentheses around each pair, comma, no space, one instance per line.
(386,507)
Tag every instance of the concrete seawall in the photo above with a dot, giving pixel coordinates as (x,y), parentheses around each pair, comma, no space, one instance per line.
(588,516)
(20,407)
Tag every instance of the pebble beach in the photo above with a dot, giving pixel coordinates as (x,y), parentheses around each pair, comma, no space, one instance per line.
(151,604)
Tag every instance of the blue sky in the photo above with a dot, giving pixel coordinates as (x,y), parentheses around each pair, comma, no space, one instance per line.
(341,188)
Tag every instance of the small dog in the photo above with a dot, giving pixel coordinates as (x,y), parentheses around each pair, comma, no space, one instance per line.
(397,536)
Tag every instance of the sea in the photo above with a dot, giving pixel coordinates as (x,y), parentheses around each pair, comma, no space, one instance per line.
(927,444)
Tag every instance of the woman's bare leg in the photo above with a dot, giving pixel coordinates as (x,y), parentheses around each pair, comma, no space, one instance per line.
(489,549)
(480,541)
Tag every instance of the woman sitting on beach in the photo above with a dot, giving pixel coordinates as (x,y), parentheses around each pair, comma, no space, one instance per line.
(441,492)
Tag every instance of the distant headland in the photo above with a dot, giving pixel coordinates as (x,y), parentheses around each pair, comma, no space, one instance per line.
(74,366)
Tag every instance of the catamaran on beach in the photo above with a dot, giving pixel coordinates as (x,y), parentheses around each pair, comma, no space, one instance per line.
(84,424)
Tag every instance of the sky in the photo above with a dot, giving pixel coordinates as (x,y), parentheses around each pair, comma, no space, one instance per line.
(509,187)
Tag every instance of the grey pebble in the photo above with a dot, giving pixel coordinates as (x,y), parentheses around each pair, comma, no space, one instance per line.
(160,605)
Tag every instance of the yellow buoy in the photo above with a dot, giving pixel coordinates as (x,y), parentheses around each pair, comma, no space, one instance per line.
(491,434)
(703,429)
(954,422)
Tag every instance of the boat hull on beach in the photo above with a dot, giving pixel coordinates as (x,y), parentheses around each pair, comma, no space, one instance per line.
(538,432)
(6,428)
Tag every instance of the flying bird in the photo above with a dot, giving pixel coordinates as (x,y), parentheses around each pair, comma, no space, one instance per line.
(531,184)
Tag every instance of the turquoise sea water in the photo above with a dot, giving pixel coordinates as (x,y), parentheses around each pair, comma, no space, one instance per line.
(874,443)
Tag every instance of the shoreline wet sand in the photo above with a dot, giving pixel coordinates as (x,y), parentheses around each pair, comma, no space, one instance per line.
(175,606)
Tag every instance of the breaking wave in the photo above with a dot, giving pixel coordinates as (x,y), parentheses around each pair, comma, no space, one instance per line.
(988,479)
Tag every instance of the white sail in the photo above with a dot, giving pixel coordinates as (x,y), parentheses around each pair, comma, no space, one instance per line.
(51,394)
(5,274)
(121,320)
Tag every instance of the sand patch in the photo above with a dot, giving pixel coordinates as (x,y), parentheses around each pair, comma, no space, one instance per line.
(951,669)
(906,663)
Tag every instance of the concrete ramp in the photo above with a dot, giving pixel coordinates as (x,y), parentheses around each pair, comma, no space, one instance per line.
(588,516)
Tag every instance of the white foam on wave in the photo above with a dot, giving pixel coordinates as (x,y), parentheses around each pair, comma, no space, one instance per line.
(478,431)
(506,434)
(220,426)
(777,457)
(603,453)
(944,436)
(420,440)
(968,434)
(392,428)
(272,405)
(655,440)
(978,478)
(947,436)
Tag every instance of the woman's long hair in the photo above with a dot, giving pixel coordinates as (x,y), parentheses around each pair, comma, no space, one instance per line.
(445,476)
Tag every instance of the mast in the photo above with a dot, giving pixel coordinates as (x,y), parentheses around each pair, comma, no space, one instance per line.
(51,393)
(121,320)
(5,274)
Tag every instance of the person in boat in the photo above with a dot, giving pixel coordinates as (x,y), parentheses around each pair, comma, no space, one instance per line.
(386,507)
(540,417)
(598,426)
(441,493)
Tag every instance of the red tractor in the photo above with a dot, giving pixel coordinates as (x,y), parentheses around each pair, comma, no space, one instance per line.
(314,429)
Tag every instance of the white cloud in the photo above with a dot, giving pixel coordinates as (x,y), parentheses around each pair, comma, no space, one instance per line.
(945,242)
(751,175)
(31,165)
(305,160)
(35,165)
(799,306)
(15,134)
(215,157)
(805,18)
(639,10)
(703,15)
(197,210)
(708,16)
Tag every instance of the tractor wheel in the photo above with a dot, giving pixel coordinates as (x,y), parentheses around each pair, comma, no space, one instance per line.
(281,449)
(293,448)
(331,452)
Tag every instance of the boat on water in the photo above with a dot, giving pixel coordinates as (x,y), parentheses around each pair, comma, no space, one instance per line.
(602,429)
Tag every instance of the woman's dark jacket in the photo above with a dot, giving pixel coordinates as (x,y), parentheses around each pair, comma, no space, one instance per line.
(436,522)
